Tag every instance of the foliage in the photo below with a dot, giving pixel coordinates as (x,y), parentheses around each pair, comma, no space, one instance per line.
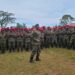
(66,19)
(6,18)
(21,25)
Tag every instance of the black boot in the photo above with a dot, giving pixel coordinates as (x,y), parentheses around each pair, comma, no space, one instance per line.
(37,58)
(31,59)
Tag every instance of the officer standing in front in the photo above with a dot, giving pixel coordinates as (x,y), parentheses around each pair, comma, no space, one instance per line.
(35,41)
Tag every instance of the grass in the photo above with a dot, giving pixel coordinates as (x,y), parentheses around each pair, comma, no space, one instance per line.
(54,61)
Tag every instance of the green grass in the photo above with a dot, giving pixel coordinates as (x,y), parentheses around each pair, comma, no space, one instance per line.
(54,61)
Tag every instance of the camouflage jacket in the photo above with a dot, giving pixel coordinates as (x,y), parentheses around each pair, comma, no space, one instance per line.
(36,38)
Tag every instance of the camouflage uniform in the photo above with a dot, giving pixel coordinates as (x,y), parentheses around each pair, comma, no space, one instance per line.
(11,43)
(66,38)
(60,38)
(47,38)
(54,39)
(19,42)
(24,38)
(2,42)
(35,40)
(72,40)
(28,41)
(42,40)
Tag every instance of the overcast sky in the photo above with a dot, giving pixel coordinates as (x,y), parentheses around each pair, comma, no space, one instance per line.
(44,12)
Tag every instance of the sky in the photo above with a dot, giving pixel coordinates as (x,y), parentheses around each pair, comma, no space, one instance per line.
(44,12)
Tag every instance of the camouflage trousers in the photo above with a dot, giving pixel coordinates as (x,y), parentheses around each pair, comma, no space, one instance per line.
(19,46)
(3,47)
(35,53)
(27,46)
(72,44)
(11,46)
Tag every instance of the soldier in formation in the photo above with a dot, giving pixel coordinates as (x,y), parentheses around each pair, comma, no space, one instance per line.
(19,39)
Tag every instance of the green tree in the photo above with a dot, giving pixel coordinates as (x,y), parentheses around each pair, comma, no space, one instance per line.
(66,19)
(6,18)
(24,25)
(21,25)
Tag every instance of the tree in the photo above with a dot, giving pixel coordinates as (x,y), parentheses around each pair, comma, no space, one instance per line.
(6,18)
(66,19)
(21,25)
(24,25)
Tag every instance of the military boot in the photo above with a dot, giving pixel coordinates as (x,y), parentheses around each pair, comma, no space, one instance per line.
(37,57)
(31,59)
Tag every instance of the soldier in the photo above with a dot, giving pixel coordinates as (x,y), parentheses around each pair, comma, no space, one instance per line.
(24,38)
(35,40)
(47,38)
(66,38)
(42,37)
(72,39)
(11,41)
(60,37)
(2,42)
(54,38)
(19,42)
(28,41)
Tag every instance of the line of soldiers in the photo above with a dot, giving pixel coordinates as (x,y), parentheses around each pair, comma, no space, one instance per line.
(19,39)
(61,37)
